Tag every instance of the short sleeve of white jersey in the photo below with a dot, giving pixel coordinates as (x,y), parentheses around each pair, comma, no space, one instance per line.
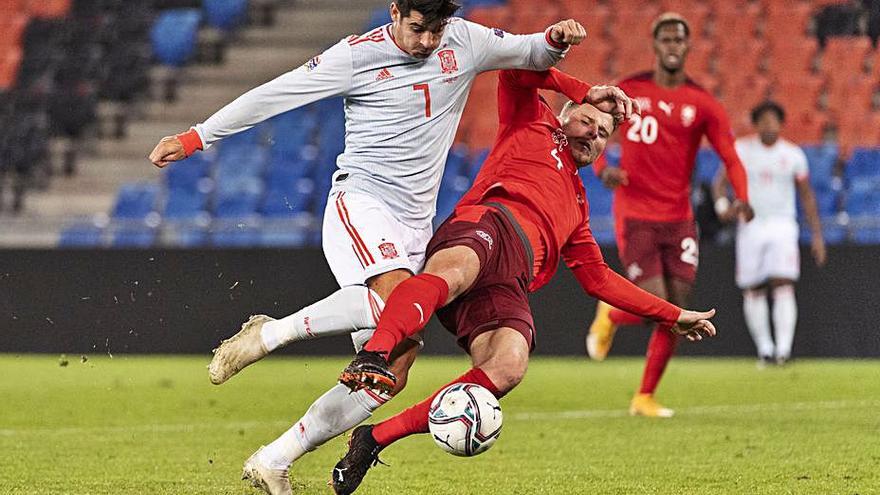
(801,166)
(496,49)
(324,76)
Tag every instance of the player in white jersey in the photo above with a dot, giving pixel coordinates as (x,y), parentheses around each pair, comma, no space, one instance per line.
(767,254)
(405,86)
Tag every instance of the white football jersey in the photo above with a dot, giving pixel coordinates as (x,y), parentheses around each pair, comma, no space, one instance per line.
(401,112)
(772,172)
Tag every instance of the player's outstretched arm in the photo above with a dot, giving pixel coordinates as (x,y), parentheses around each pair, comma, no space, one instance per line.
(567,32)
(175,148)
(495,49)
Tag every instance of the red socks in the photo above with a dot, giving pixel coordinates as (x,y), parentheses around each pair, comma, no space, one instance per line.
(620,317)
(415,419)
(407,311)
(660,351)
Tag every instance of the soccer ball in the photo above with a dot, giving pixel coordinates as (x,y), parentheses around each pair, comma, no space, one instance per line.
(465,419)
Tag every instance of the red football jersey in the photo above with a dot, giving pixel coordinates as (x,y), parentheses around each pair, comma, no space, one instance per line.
(531,171)
(659,148)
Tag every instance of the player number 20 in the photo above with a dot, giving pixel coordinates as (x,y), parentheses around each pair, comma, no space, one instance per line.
(643,129)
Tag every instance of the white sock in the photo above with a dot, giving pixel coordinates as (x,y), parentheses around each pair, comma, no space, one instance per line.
(332,414)
(351,308)
(784,319)
(757,314)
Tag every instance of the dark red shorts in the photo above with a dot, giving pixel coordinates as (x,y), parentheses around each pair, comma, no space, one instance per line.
(650,249)
(499,296)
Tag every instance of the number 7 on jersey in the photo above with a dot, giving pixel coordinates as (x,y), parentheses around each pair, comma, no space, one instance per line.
(424,88)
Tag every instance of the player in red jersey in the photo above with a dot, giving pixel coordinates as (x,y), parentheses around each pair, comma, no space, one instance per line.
(526,209)
(656,234)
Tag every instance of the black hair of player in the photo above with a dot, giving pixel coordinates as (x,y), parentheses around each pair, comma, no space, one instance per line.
(667,22)
(768,106)
(434,12)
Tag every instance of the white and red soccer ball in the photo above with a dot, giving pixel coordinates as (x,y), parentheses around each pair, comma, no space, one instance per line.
(465,419)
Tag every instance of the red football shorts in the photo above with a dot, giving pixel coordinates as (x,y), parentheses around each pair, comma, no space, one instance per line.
(650,249)
(499,296)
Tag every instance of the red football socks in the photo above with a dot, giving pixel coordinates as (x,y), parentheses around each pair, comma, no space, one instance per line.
(407,311)
(620,317)
(660,351)
(415,419)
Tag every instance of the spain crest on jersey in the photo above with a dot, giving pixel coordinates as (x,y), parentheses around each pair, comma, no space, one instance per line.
(448,64)
(388,250)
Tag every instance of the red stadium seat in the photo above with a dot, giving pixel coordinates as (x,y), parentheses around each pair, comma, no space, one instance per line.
(48,9)
(851,93)
(699,58)
(10,61)
(595,18)
(791,57)
(533,20)
(740,57)
(787,19)
(631,59)
(591,65)
(633,25)
(500,16)
(11,29)
(9,7)
(847,55)
(734,23)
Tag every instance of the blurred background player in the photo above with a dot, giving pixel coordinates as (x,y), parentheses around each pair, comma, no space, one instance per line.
(405,86)
(656,234)
(767,253)
(525,211)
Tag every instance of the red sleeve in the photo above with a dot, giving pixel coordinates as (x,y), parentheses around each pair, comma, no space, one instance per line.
(518,91)
(721,136)
(583,256)
(599,165)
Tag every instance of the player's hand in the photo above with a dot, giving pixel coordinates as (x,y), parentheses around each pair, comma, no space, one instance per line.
(613,177)
(694,325)
(743,211)
(818,248)
(569,32)
(169,149)
(612,100)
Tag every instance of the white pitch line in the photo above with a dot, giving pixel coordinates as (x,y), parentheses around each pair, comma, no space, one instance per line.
(701,410)
(523,416)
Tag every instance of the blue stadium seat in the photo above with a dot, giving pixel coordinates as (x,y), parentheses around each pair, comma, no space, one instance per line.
(478,157)
(294,232)
(378,17)
(133,235)
(864,163)
(135,200)
(225,14)
(822,159)
(185,234)
(174,36)
(288,201)
(187,174)
(185,204)
(450,193)
(863,201)
(239,201)
(708,163)
(612,154)
(866,235)
(240,232)
(82,234)
(826,201)
(832,231)
(598,195)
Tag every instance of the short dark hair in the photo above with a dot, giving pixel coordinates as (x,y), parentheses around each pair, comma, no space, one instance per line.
(668,18)
(768,106)
(435,12)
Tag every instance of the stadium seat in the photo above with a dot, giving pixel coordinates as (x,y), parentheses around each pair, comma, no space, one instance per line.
(225,14)
(135,200)
(845,55)
(708,163)
(597,23)
(294,232)
(790,57)
(500,16)
(864,163)
(590,65)
(848,91)
(185,204)
(84,234)
(10,63)
(235,232)
(866,230)
(378,17)
(787,19)
(598,195)
(48,9)
(12,29)
(287,200)
(822,160)
(187,174)
(239,199)
(133,235)
(185,234)
(174,36)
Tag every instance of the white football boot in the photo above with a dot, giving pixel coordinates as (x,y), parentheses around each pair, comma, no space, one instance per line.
(271,481)
(239,351)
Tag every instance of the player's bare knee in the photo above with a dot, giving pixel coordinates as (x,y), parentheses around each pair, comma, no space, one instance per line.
(458,266)
(506,371)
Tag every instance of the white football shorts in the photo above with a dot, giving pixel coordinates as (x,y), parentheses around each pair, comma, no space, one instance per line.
(767,248)
(362,239)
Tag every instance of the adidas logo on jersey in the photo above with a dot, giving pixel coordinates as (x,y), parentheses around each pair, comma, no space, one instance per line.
(384,74)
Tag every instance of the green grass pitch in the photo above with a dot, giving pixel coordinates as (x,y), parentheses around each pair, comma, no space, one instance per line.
(154,425)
